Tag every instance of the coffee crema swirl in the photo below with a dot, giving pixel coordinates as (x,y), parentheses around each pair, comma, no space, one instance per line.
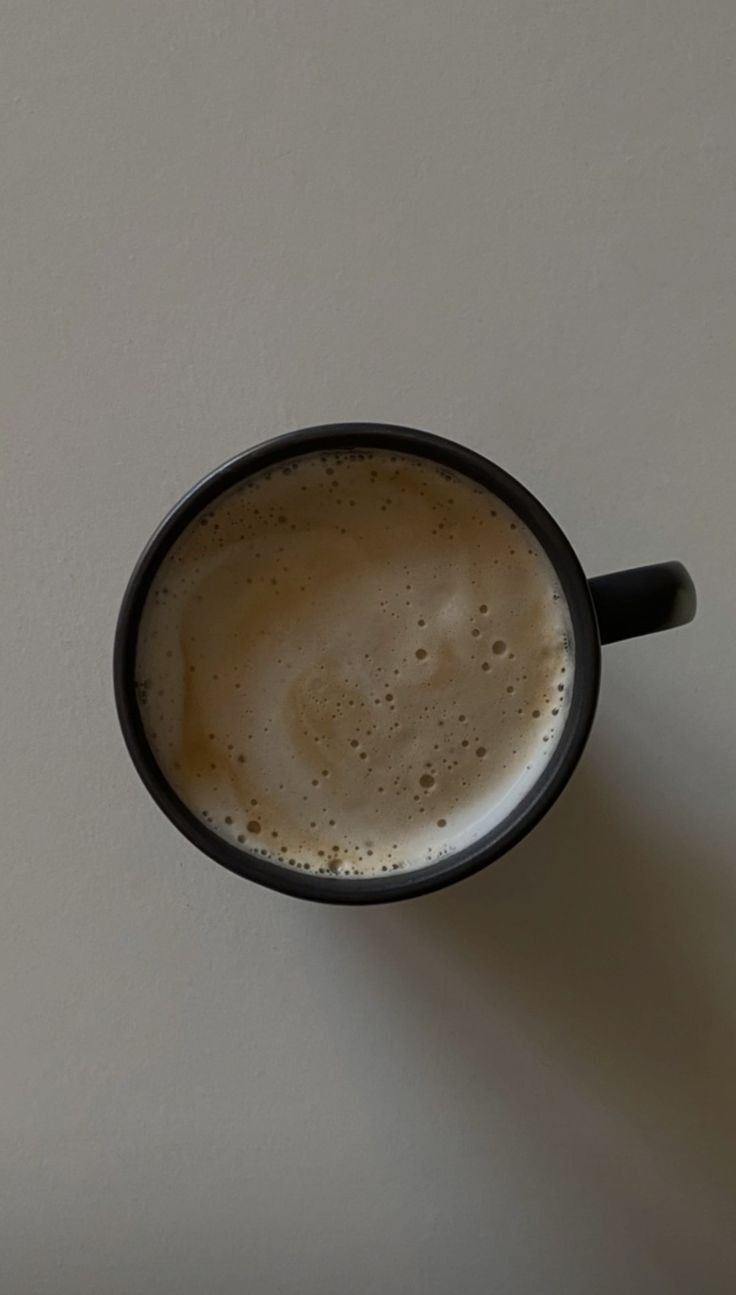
(354,662)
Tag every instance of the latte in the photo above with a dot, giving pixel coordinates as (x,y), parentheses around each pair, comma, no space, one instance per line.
(354,662)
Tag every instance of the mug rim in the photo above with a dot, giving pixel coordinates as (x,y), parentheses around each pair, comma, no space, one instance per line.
(452,867)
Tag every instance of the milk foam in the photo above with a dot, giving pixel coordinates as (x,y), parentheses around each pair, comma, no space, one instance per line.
(354,663)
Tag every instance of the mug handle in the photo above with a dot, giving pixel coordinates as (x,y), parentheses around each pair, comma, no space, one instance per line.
(643,600)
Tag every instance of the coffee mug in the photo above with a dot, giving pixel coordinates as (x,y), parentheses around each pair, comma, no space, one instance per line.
(608,608)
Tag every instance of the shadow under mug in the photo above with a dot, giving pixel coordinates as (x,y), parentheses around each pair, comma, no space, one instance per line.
(608,608)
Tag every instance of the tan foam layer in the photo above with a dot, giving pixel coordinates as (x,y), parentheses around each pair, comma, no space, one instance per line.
(354,663)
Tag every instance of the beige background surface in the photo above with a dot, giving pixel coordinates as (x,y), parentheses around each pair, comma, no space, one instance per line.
(510,223)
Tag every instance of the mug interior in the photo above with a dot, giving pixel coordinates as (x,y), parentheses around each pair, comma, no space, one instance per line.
(521,818)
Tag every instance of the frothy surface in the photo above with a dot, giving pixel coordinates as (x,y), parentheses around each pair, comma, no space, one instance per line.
(354,662)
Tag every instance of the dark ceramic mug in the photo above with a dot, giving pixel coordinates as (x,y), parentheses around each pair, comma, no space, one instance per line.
(603,610)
